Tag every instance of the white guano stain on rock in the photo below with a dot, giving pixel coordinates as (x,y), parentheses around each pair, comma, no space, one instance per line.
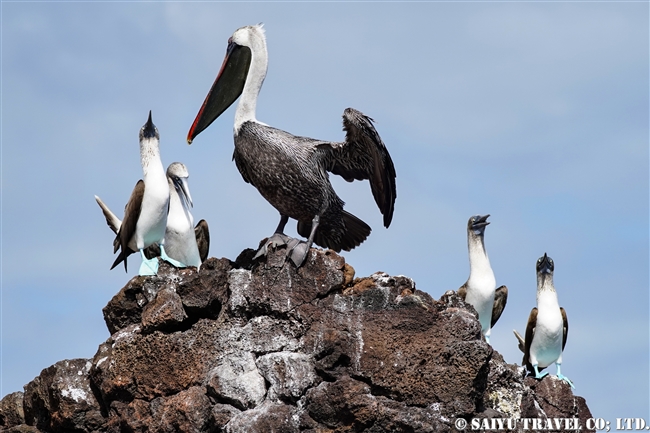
(77,394)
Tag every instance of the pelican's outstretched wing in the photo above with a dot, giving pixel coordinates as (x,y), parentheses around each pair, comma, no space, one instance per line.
(363,155)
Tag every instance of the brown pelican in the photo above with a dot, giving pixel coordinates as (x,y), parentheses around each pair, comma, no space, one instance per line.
(145,215)
(547,328)
(480,289)
(289,171)
(187,246)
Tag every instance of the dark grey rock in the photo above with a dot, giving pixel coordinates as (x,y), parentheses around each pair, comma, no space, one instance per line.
(260,346)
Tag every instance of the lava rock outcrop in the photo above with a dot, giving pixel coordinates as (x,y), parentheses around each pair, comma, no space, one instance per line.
(260,346)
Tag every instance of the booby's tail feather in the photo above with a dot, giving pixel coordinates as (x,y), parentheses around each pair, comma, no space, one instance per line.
(114,223)
(520,340)
(122,257)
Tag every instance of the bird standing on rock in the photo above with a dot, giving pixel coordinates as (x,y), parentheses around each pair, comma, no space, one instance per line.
(145,215)
(186,244)
(547,328)
(480,289)
(291,172)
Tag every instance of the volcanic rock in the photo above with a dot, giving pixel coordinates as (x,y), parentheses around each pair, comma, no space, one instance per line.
(260,346)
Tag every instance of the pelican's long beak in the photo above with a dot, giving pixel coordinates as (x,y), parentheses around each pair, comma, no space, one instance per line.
(225,90)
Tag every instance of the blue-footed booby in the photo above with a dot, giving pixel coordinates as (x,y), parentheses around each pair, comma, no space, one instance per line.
(180,236)
(291,172)
(480,289)
(145,214)
(547,327)
(187,246)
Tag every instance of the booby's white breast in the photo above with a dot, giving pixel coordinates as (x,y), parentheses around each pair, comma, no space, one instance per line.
(481,285)
(546,346)
(180,240)
(152,221)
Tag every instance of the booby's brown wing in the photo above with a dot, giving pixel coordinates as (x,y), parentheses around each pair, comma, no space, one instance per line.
(462,292)
(127,230)
(362,156)
(528,339)
(114,223)
(500,299)
(202,234)
(565,327)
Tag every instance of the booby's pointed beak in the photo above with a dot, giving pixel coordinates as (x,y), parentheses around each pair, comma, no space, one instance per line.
(478,223)
(149,130)
(183,189)
(481,221)
(227,87)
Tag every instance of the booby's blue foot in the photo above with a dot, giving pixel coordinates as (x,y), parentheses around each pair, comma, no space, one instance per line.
(165,257)
(539,375)
(148,266)
(563,377)
(566,379)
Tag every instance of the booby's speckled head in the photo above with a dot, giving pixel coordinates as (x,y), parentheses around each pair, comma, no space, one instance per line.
(149,130)
(177,169)
(477,223)
(545,265)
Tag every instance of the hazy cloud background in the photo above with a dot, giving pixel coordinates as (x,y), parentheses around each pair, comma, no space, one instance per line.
(536,113)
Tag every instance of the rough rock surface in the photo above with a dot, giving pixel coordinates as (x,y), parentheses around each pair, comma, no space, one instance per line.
(260,346)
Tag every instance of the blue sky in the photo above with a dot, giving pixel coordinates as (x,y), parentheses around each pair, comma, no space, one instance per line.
(533,112)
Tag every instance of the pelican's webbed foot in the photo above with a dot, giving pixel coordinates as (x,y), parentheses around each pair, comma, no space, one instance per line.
(277,240)
(148,266)
(298,251)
